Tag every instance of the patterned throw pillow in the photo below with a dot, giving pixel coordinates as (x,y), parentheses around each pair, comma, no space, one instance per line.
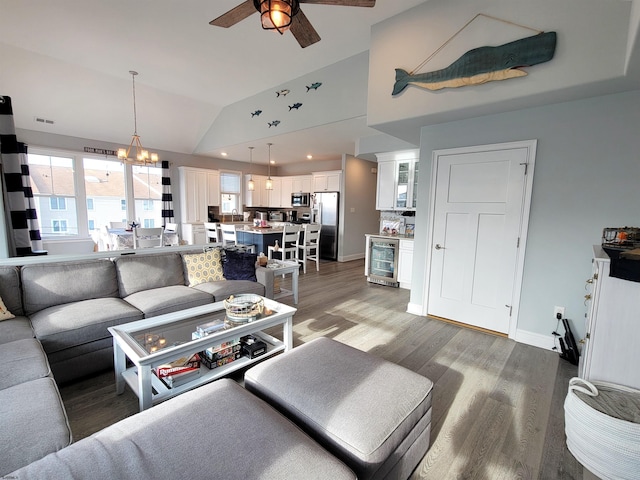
(204,267)
(4,313)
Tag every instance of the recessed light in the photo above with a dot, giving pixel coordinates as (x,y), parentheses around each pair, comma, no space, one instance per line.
(224,154)
(273,162)
(309,157)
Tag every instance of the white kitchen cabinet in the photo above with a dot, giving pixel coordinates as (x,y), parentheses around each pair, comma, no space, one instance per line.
(286,189)
(386,186)
(405,263)
(275,198)
(193,233)
(610,352)
(199,188)
(258,197)
(397,186)
(327,181)
(302,184)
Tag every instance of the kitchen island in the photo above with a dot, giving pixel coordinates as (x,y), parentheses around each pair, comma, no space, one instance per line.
(261,237)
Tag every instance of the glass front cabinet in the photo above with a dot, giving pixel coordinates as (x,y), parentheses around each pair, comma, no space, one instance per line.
(397,180)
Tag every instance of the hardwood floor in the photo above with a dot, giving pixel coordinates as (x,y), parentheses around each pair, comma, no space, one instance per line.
(497,405)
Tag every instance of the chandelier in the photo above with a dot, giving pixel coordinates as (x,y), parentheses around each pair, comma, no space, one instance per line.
(276,14)
(141,156)
(268,184)
(251,185)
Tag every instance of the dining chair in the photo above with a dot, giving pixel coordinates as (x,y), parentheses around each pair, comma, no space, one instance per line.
(211,230)
(171,228)
(118,225)
(229,236)
(228,233)
(309,246)
(172,239)
(148,237)
(289,245)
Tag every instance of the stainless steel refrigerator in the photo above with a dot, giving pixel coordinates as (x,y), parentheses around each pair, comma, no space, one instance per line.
(327,213)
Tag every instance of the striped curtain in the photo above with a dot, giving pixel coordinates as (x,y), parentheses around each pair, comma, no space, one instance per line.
(22,222)
(167,198)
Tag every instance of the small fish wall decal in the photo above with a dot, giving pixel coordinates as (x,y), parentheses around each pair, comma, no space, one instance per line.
(275,123)
(256,113)
(296,105)
(282,93)
(314,86)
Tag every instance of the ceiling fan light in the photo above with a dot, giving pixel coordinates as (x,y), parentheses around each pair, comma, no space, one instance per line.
(277,14)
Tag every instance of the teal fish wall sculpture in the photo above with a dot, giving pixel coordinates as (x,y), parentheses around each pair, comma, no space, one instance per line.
(484,64)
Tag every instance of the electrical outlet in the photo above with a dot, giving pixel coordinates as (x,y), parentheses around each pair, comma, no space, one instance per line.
(558,310)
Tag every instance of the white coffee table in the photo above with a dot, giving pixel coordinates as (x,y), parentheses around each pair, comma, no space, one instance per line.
(175,330)
(283,267)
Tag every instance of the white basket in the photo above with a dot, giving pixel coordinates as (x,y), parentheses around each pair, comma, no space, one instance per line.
(609,447)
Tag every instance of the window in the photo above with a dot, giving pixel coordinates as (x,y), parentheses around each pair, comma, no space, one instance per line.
(59,226)
(147,193)
(54,191)
(149,223)
(104,184)
(230,191)
(56,203)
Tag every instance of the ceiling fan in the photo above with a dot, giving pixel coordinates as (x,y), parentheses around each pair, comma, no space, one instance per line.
(283,15)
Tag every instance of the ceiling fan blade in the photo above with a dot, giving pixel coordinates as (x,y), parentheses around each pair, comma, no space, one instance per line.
(302,29)
(345,3)
(235,15)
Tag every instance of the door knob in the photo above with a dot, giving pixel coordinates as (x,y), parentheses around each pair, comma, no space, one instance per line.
(439,247)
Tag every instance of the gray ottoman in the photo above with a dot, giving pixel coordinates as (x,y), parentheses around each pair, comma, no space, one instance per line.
(372,414)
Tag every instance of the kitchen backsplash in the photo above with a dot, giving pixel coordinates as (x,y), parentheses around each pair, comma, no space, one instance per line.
(406,224)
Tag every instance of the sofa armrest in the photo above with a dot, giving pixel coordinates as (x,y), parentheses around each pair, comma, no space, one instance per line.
(265,277)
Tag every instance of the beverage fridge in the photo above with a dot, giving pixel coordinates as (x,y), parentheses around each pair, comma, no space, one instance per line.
(382,257)
(326,209)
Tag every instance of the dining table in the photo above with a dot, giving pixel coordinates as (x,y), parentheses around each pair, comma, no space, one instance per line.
(122,239)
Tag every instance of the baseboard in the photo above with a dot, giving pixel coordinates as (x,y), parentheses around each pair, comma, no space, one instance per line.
(414,309)
(534,339)
(348,258)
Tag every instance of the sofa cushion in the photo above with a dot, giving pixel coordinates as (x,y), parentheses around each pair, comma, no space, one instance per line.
(158,301)
(203,267)
(49,284)
(367,411)
(223,289)
(10,289)
(239,265)
(34,424)
(166,442)
(72,324)
(21,361)
(15,329)
(144,272)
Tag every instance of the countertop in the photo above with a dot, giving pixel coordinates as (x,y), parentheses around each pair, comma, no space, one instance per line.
(383,235)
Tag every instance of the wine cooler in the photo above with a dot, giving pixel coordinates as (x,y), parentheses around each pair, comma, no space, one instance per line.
(383,261)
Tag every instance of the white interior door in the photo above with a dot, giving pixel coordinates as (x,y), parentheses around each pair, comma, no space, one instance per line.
(479,212)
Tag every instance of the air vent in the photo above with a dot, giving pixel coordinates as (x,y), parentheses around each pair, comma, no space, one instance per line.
(43,120)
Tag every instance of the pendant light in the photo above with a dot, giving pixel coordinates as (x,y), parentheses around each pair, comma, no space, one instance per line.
(251,185)
(269,183)
(142,156)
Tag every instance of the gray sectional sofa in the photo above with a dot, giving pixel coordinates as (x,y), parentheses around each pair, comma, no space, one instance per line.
(62,311)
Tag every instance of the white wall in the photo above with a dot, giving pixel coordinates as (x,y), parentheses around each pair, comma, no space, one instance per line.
(586,179)
(591,52)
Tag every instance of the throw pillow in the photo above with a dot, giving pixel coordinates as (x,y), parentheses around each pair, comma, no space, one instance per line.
(240,265)
(204,267)
(4,313)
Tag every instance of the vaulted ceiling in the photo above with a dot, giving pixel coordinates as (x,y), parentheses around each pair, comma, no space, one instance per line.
(68,61)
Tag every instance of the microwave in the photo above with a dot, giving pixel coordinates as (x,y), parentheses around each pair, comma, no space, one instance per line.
(300,199)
